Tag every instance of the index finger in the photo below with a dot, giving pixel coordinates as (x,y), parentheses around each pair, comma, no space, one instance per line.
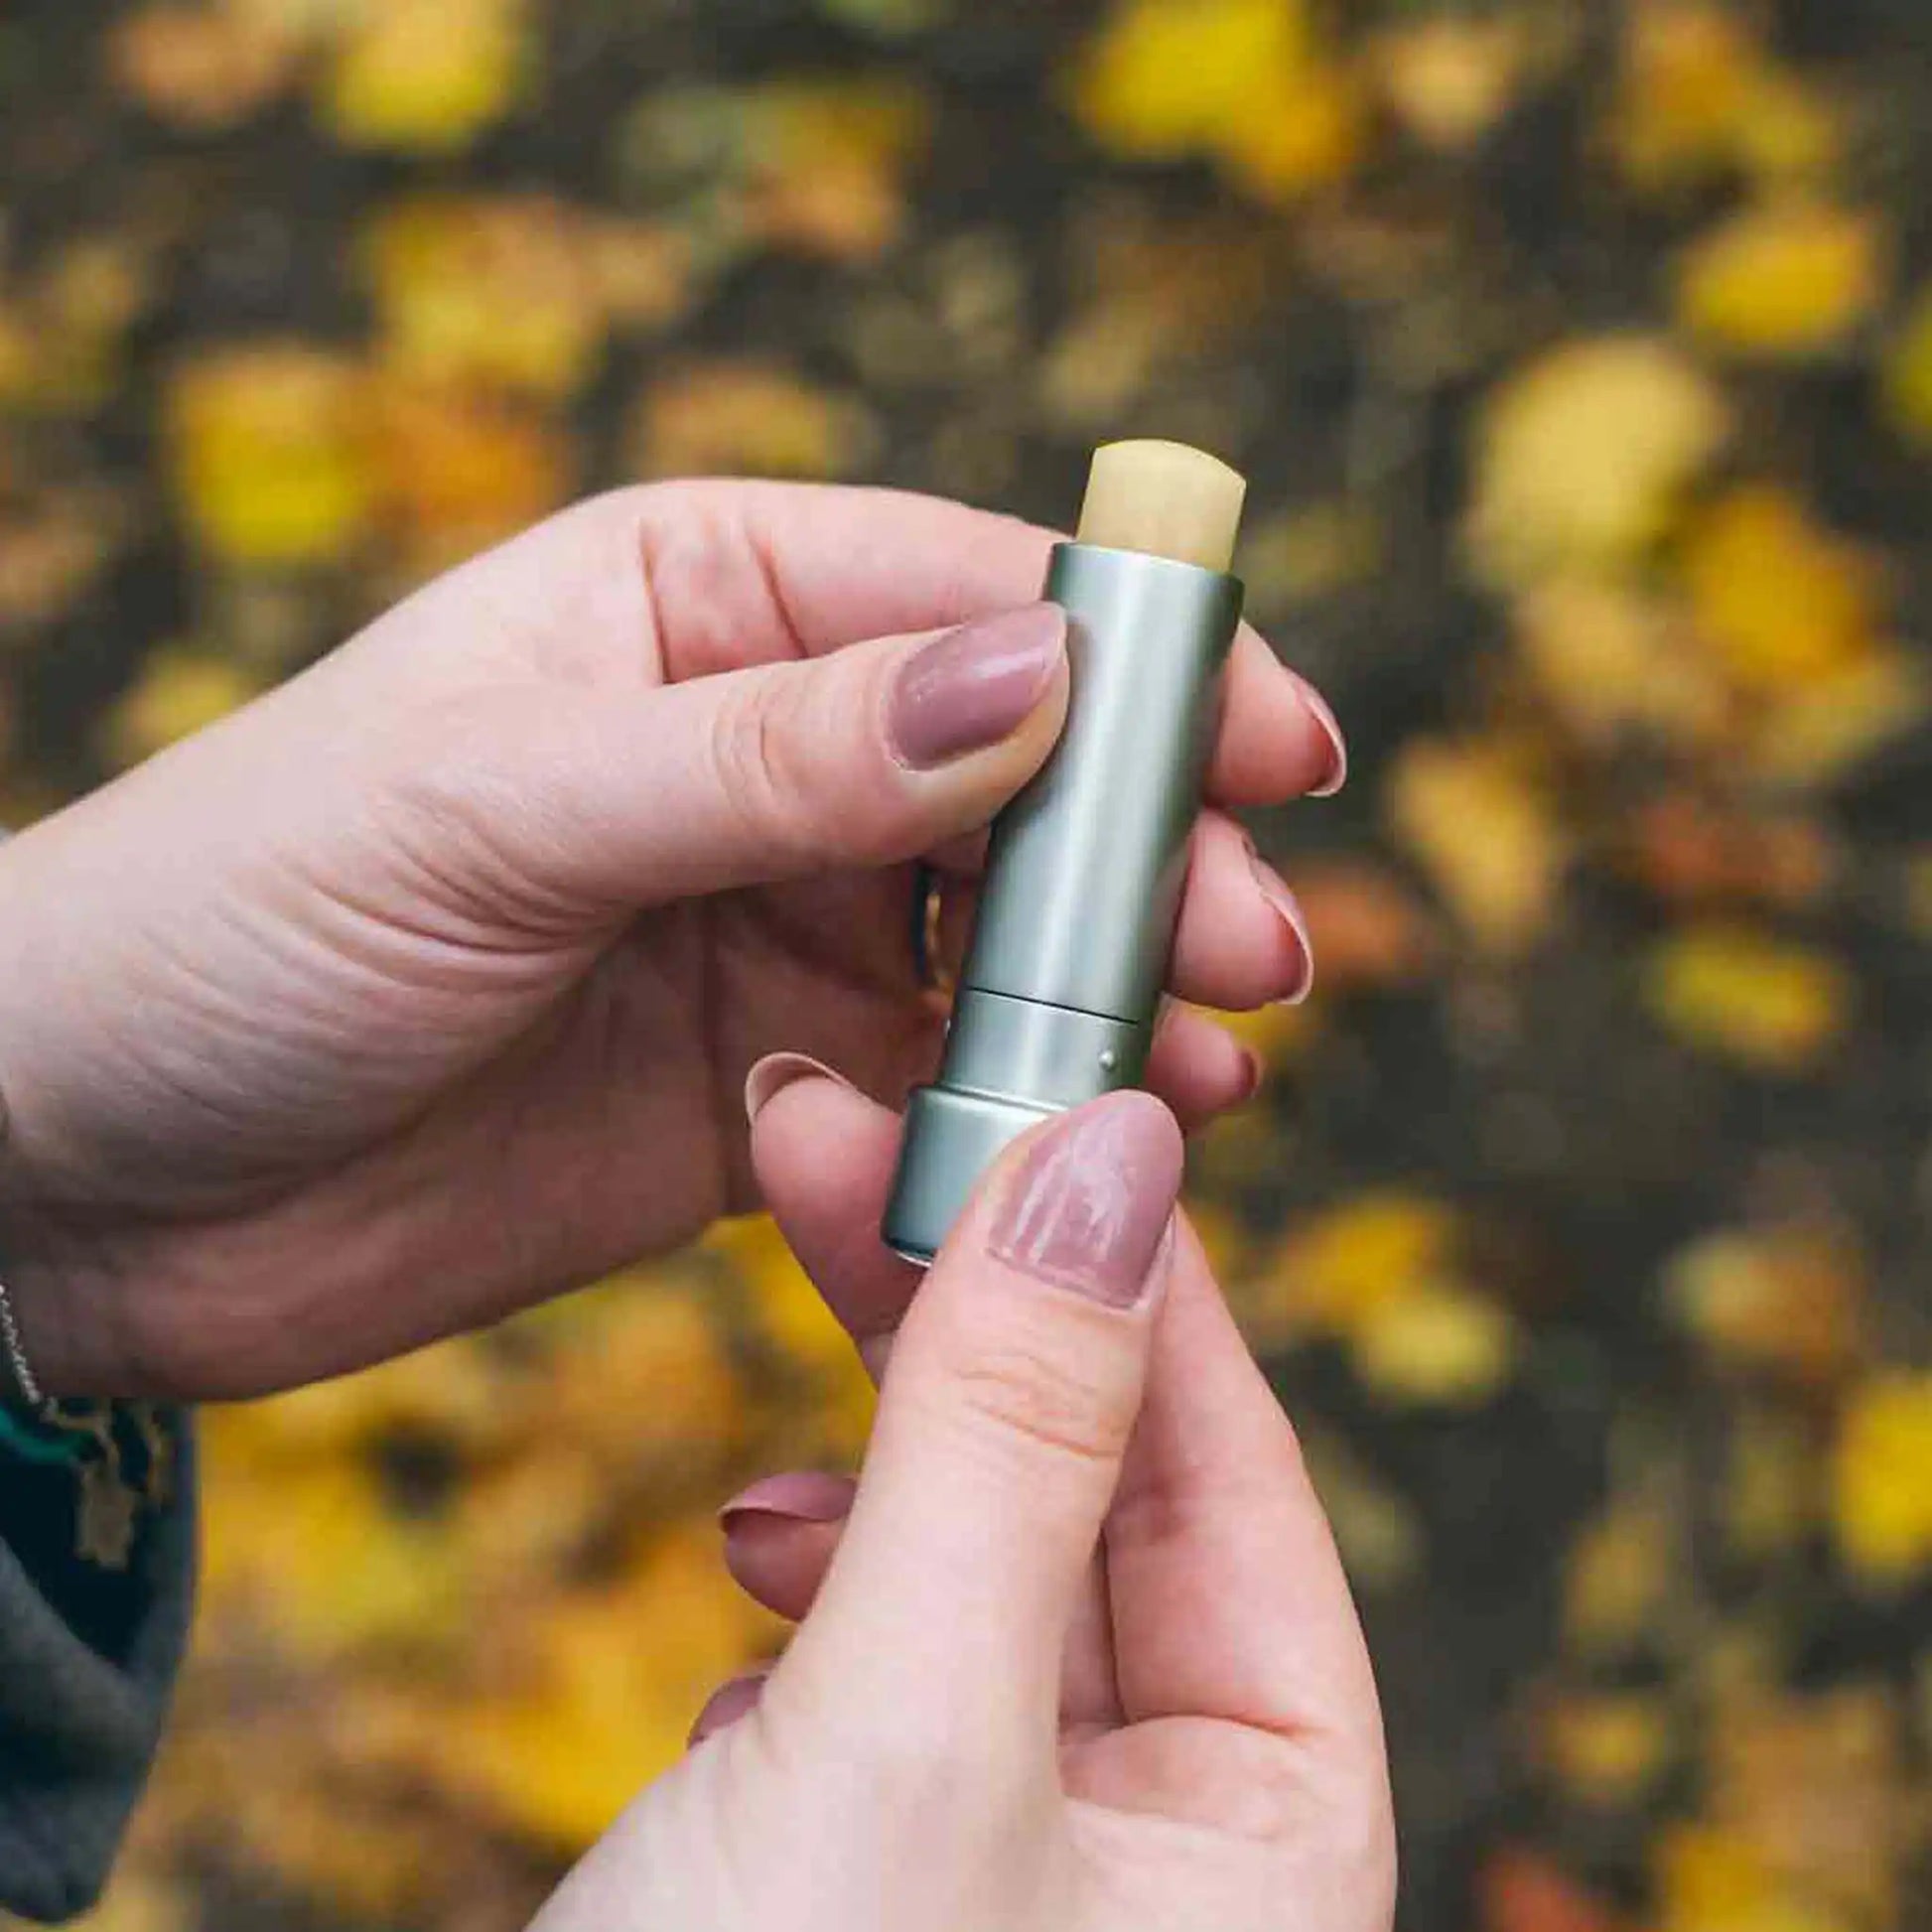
(744,572)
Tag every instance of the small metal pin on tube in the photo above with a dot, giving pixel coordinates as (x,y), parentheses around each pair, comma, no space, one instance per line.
(1057,998)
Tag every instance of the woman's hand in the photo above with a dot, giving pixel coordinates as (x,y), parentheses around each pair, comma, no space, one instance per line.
(1082,1658)
(427,986)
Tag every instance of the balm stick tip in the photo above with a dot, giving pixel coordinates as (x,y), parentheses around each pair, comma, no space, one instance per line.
(1163,500)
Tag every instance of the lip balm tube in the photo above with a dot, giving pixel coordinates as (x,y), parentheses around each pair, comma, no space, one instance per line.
(1062,985)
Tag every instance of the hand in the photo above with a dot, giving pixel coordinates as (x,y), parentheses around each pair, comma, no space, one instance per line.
(427,985)
(1082,1658)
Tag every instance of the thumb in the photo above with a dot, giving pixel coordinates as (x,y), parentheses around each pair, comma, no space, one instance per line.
(1012,1393)
(868,755)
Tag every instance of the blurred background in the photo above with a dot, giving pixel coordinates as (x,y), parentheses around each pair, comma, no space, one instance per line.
(1580,353)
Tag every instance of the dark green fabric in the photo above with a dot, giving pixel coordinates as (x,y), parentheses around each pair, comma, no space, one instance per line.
(88,1660)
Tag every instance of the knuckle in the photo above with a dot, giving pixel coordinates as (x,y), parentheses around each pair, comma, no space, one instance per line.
(1033,1405)
(755,765)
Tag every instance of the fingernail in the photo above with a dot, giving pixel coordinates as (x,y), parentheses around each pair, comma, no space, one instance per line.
(1335,774)
(777,1071)
(1274,890)
(796,1496)
(1090,1209)
(727,1704)
(1253,1072)
(971,687)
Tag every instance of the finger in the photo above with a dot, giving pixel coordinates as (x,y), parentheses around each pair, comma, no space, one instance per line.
(1279,740)
(825,1156)
(685,579)
(1241,940)
(1198,1067)
(779,564)
(864,757)
(736,1697)
(1015,1383)
(779,1535)
(1229,1599)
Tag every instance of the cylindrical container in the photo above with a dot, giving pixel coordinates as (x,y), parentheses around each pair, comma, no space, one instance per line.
(1062,980)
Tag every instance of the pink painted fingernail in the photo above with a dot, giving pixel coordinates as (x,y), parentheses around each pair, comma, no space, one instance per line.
(970,687)
(777,1071)
(1335,773)
(1274,889)
(727,1704)
(796,1496)
(1090,1209)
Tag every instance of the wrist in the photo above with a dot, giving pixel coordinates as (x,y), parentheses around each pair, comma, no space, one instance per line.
(58,1339)
(56,1280)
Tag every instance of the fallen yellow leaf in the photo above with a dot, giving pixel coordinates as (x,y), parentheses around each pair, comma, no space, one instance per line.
(1582,458)
(268,453)
(1486,834)
(501,290)
(1783,1299)
(1882,1500)
(1710,1879)
(1610,659)
(1435,1344)
(1785,280)
(1748,996)
(426,77)
(1606,1749)
(738,415)
(1780,599)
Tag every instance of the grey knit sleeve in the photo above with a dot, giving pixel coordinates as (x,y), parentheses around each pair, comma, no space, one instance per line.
(88,1661)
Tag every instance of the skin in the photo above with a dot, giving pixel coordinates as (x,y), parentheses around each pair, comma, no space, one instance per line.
(1082,1659)
(429,986)
(426,986)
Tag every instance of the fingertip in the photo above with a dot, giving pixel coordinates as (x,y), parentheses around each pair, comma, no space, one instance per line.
(1280,740)
(733,1700)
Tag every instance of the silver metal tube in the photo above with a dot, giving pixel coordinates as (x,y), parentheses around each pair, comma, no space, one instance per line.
(1062,980)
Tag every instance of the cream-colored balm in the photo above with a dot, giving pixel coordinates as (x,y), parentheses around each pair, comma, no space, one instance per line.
(1057,1002)
(1163,500)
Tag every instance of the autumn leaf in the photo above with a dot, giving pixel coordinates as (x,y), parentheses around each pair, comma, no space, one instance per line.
(825,162)
(728,415)
(1610,659)
(1435,1344)
(267,453)
(202,67)
(1786,1299)
(1605,1748)
(1740,994)
(1581,458)
(1448,78)
(1881,1503)
(504,291)
(1700,96)
(1247,81)
(426,77)
(1486,834)
(458,470)
(1710,1880)
(1786,280)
